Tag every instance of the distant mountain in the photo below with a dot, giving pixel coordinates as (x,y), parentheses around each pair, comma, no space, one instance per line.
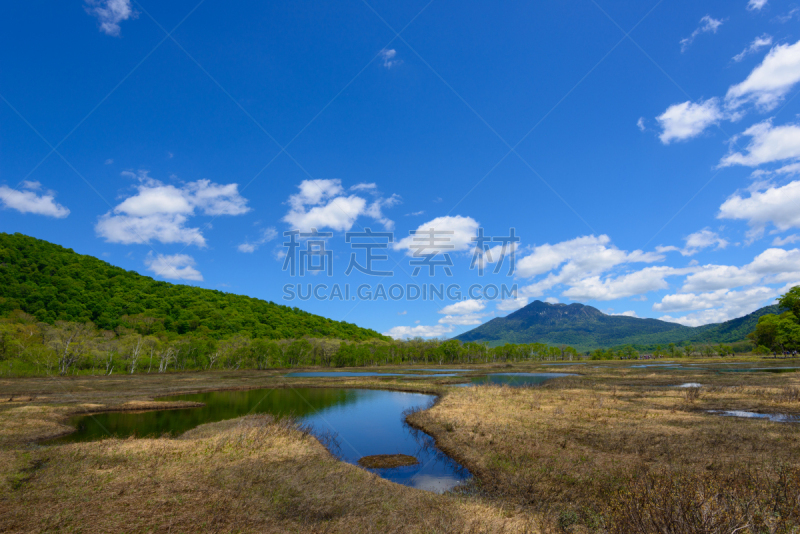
(55,283)
(587,328)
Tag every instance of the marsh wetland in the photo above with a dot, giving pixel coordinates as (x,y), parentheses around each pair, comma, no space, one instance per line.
(587,449)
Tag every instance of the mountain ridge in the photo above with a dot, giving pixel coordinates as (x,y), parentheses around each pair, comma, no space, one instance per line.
(585,328)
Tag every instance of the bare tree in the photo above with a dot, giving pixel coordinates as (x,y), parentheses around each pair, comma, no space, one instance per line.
(165,357)
(136,352)
(68,341)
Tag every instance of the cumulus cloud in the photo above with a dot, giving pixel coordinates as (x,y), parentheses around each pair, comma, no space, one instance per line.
(110,13)
(389,58)
(717,306)
(774,265)
(627,285)
(324,204)
(267,235)
(469,319)
(406,332)
(765,87)
(757,44)
(26,200)
(767,144)
(707,25)
(512,304)
(463,230)
(629,313)
(174,267)
(464,307)
(576,260)
(713,291)
(696,242)
(777,206)
(756,5)
(640,124)
(688,119)
(160,212)
(768,83)
(463,313)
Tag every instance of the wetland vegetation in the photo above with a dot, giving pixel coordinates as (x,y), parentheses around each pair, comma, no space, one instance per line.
(615,448)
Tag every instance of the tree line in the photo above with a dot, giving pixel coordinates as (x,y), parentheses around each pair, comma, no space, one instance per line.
(31,347)
(780,333)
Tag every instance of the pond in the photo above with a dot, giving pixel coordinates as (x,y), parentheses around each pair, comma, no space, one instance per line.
(774,417)
(352,374)
(362,422)
(514,379)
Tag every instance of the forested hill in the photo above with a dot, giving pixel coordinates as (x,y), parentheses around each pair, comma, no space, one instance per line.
(54,283)
(587,328)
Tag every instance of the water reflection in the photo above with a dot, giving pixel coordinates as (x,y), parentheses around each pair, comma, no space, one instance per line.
(514,379)
(774,417)
(353,422)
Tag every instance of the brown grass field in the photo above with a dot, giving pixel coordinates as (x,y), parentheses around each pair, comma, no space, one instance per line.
(612,449)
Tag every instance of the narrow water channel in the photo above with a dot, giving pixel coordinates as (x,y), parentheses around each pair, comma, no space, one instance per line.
(361,422)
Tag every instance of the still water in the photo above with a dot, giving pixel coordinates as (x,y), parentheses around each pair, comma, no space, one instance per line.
(514,379)
(361,422)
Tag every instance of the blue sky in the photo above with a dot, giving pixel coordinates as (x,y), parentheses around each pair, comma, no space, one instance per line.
(647,155)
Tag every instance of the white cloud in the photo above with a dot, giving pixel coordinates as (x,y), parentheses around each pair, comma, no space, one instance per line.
(267,234)
(110,13)
(713,277)
(707,24)
(788,240)
(464,307)
(774,265)
(109,161)
(512,304)
(756,5)
(579,259)
(322,204)
(28,201)
(463,230)
(405,332)
(757,44)
(788,16)
(551,300)
(364,187)
(712,291)
(717,306)
(777,206)
(627,285)
(470,319)
(160,212)
(388,57)
(404,312)
(640,124)
(696,242)
(768,84)
(767,144)
(175,267)
(686,120)
(629,313)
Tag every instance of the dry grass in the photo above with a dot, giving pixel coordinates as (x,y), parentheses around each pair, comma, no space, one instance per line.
(600,452)
(577,444)
(384,461)
(247,475)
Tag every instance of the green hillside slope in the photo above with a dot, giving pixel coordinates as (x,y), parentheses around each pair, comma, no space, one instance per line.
(55,283)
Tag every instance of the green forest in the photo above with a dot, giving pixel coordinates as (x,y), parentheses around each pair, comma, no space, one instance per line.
(780,332)
(53,283)
(65,313)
